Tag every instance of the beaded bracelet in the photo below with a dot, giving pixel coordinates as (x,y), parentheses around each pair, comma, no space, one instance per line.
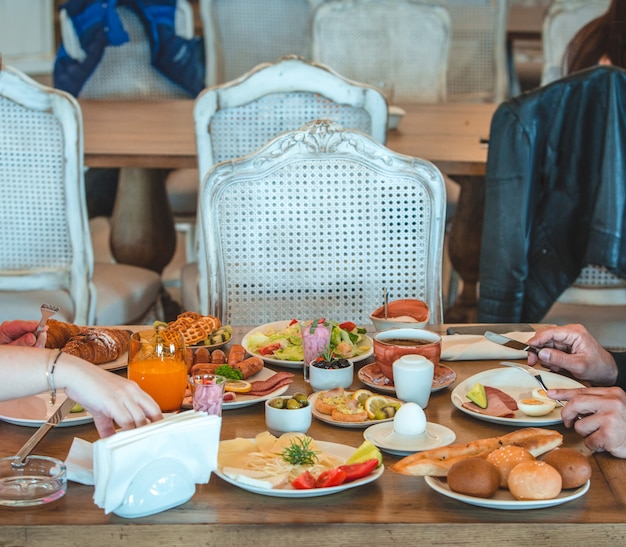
(50,377)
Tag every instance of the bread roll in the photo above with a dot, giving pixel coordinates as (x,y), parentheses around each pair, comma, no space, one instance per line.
(534,480)
(574,467)
(98,345)
(59,333)
(506,458)
(474,477)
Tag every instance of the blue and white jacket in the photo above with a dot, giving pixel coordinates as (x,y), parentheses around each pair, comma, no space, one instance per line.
(98,26)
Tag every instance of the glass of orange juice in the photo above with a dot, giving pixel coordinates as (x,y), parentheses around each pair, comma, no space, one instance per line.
(156,362)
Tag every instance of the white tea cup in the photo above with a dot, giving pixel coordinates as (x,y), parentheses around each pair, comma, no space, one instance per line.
(413,378)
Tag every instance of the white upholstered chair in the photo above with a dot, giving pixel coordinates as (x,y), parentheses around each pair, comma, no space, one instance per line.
(562,21)
(402,42)
(236,118)
(477,70)
(46,254)
(317,223)
(241,34)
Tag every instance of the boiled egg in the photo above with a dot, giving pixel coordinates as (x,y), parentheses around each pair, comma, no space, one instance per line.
(409,420)
(540,393)
(536,406)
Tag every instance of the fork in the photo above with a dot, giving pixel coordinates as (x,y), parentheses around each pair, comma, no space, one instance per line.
(47,311)
(532,372)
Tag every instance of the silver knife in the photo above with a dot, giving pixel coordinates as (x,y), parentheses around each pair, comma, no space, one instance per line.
(509,342)
(56,418)
(532,372)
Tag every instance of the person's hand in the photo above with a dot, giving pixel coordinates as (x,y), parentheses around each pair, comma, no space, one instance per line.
(571,348)
(21,333)
(598,414)
(110,398)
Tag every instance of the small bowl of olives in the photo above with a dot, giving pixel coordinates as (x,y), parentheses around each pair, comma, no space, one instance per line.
(288,413)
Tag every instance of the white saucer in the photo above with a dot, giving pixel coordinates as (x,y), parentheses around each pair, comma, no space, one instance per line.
(385,438)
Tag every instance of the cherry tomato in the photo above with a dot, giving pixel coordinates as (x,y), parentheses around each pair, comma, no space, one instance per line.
(269,349)
(347,325)
(305,481)
(359,470)
(331,477)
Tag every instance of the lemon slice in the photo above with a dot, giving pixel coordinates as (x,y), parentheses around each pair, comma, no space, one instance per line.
(238,386)
(361,395)
(374,403)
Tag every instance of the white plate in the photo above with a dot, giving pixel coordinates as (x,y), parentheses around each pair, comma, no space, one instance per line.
(384,437)
(515,383)
(444,377)
(503,499)
(340,451)
(350,425)
(248,400)
(35,410)
(280,325)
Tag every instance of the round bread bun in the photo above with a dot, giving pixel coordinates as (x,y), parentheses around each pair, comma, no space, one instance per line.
(506,458)
(474,477)
(534,480)
(574,467)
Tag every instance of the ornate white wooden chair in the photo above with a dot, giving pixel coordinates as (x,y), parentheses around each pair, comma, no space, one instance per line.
(46,253)
(236,118)
(562,21)
(477,70)
(402,42)
(315,224)
(241,34)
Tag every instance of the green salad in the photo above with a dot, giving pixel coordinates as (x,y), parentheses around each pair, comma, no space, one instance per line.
(346,340)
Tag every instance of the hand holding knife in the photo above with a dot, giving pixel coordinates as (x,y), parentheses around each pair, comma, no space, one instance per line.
(509,342)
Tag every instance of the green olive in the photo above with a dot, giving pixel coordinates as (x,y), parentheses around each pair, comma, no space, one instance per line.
(277,403)
(300,397)
(292,404)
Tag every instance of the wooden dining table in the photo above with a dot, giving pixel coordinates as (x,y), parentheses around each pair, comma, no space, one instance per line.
(394,510)
(147,137)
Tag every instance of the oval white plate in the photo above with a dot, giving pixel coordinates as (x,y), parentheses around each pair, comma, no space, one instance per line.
(383,436)
(341,451)
(513,382)
(503,499)
(280,325)
(350,425)
(35,410)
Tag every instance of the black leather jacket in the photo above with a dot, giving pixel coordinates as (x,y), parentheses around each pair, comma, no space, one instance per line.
(555,193)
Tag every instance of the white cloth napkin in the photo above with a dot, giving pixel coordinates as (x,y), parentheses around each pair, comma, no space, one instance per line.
(190,437)
(467,347)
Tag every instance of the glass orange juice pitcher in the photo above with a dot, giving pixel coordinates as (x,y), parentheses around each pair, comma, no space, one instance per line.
(156,362)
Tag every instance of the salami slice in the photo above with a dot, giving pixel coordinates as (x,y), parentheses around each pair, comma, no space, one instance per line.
(499,404)
(265,387)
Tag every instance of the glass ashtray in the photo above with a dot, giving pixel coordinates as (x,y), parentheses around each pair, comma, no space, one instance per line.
(37,481)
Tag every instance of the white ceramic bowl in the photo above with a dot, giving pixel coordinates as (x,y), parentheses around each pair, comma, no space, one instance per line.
(322,379)
(285,420)
(37,481)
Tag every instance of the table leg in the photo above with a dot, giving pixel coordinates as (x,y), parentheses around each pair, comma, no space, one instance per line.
(142,231)
(464,247)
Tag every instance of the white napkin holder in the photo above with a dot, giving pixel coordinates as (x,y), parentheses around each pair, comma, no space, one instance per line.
(155,467)
(158,486)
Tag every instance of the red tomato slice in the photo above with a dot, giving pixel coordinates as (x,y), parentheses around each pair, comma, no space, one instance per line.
(269,349)
(331,477)
(305,481)
(347,325)
(293,322)
(359,470)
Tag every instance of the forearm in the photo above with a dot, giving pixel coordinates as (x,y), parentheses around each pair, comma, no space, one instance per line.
(24,371)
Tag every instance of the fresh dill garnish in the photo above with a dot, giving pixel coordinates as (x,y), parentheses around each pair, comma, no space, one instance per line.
(299,452)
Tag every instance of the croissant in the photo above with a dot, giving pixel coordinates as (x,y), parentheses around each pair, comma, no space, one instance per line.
(59,333)
(98,345)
